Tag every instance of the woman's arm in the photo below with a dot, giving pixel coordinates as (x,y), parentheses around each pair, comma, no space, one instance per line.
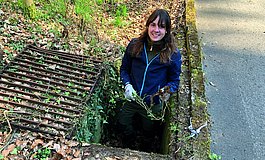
(174,71)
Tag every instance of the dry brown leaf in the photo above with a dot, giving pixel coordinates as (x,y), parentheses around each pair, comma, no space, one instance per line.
(5,152)
(45,121)
(68,150)
(72,143)
(62,152)
(36,143)
(77,153)
(56,146)
(49,144)
(9,149)
(33,155)
(110,158)
(19,142)
(57,156)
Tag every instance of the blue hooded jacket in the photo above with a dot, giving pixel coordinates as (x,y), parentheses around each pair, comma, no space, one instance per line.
(147,77)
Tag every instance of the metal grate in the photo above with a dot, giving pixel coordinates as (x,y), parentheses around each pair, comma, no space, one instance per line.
(44,90)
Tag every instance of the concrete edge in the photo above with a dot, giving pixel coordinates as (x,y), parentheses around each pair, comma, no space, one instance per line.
(199,112)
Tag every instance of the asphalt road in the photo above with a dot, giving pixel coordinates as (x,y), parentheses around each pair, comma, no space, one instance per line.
(232,34)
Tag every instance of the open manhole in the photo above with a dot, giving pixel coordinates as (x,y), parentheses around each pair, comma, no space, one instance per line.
(44,90)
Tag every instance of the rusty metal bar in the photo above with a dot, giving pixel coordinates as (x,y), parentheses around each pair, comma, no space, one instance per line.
(39,116)
(41,103)
(36,108)
(33,89)
(39,124)
(36,96)
(53,77)
(46,87)
(40,90)
(52,72)
(64,55)
(32,129)
(22,56)
(58,68)
(45,80)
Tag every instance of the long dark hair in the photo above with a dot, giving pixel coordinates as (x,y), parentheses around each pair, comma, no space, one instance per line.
(168,40)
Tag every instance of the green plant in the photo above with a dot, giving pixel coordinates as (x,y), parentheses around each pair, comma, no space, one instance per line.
(99,2)
(121,11)
(150,113)
(29,11)
(9,55)
(14,152)
(15,99)
(58,101)
(89,126)
(101,106)
(43,154)
(84,8)
(214,156)
(70,84)
(55,9)
(57,91)
(118,22)
(67,93)
(55,31)
(174,127)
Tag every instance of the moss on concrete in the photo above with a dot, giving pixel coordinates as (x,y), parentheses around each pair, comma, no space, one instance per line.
(199,113)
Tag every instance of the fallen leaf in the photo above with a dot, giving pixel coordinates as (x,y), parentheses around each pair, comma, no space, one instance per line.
(9,149)
(72,143)
(77,153)
(52,67)
(5,152)
(36,143)
(56,147)
(19,142)
(33,155)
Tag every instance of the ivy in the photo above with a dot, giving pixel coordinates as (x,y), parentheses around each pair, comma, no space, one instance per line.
(100,106)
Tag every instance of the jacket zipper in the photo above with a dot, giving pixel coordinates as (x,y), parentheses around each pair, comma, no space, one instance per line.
(147,65)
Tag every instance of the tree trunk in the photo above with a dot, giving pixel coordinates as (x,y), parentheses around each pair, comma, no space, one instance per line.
(29,8)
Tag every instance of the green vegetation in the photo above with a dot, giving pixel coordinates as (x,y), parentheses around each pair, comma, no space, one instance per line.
(214,156)
(101,105)
(43,154)
(28,7)
(121,12)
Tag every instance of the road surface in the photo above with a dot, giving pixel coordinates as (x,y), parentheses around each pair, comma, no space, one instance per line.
(232,34)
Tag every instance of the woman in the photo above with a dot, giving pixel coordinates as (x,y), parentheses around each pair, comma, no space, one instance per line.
(150,63)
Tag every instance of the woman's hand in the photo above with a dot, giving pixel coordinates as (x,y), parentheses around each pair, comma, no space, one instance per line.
(164,94)
(129,92)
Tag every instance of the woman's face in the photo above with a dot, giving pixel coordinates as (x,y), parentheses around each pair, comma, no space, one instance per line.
(155,32)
